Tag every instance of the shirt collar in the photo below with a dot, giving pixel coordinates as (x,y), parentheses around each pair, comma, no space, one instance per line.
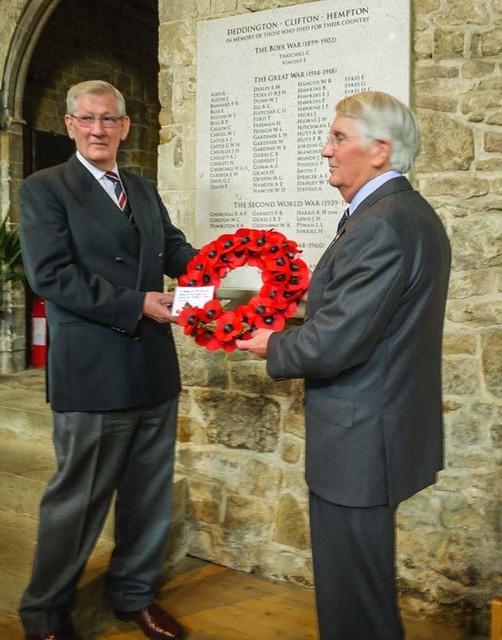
(369,187)
(96,172)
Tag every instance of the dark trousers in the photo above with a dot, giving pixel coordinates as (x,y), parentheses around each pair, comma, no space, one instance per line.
(127,452)
(353,551)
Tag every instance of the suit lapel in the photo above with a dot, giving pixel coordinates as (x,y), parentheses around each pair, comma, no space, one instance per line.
(139,203)
(141,206)
(98,204)
(395,185)
(78,179)
(392,186)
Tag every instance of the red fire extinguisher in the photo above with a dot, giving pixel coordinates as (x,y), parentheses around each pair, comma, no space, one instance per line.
(38,345)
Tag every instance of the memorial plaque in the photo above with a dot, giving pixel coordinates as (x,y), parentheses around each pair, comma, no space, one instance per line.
(267,83)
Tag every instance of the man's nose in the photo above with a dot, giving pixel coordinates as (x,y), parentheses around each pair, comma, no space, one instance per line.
(327,150)
(97,127)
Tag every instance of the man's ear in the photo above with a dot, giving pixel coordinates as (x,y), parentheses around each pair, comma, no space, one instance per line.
(126,124)
(68,120)
(381,153)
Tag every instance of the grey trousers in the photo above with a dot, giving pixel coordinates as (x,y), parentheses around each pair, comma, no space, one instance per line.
(353,550)
(128,452)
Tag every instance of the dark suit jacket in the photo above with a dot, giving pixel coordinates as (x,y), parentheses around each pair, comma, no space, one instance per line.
(83,256)
(370,352)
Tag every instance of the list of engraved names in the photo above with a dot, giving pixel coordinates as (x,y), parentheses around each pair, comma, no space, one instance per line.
(267,84)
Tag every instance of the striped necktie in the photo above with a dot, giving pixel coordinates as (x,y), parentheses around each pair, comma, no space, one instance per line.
(119,190)
(343,220)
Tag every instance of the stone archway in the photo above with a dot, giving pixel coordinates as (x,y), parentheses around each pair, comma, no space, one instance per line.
(41,56)
(21,41)
(27,32)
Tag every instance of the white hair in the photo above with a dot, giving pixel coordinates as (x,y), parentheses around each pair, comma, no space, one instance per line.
(380,116)
(94,87)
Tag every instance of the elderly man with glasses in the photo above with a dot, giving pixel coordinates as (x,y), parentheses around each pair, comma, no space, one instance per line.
(96,243)
(370,353)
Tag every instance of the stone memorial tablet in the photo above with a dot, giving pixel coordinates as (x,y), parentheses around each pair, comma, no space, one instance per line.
(267,83)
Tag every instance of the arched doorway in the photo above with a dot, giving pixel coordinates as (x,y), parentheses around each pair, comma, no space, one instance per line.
(57,43)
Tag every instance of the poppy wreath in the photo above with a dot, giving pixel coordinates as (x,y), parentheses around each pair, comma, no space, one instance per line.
(285,279)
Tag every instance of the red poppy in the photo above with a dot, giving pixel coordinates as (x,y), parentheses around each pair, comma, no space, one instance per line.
(275,242)
(276,262)
(298,281)
(209,253)
(189,319)
(274,294)
(234,259)
(274,320)
(257,242)
(267,316)
(225,243)
(290,248)
(275,277)
(255,261)
(263,310)
(245,237)
(199,279)
(199,263)
(297,265)
(211,311)
(246,314)
(204,337)
(290,310)
(229,346)
(228,326)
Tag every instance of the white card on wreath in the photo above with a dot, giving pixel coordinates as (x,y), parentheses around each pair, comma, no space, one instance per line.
(192,296)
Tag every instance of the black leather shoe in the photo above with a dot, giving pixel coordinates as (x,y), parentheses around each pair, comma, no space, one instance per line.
(155,623)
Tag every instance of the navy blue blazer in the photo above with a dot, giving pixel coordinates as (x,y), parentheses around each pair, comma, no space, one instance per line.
(92,267)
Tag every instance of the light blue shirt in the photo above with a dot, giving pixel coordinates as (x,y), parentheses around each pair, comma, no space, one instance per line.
(100,176)
(371,186)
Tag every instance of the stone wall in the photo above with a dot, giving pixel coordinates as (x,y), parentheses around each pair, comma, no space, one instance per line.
(112,43)
(241,436)
(12,331)
(10,10)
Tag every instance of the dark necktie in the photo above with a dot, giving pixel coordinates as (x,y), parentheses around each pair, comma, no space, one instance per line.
(343,220)
(119,190)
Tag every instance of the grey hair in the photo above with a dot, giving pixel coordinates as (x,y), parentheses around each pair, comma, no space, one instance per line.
(94,87)
(380,116)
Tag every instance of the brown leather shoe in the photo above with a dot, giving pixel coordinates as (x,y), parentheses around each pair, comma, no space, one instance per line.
(155,623)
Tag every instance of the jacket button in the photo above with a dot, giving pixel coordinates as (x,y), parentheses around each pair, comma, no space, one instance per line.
(119,259)
(137,339)
(160,255)
(119,329)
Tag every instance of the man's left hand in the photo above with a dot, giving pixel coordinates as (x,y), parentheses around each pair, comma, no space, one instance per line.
(257,344)
(158,306)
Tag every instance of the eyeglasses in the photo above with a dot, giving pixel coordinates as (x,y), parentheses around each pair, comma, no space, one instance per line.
(108,122)
(337,139)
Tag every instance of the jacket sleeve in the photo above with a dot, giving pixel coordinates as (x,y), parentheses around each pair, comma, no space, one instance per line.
(360,296)
(53,272)
(177,250)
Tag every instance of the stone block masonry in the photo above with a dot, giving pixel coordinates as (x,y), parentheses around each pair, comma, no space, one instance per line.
(241,435)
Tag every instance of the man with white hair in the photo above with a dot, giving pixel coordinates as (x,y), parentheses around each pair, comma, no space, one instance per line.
(370,353)
(96,242)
